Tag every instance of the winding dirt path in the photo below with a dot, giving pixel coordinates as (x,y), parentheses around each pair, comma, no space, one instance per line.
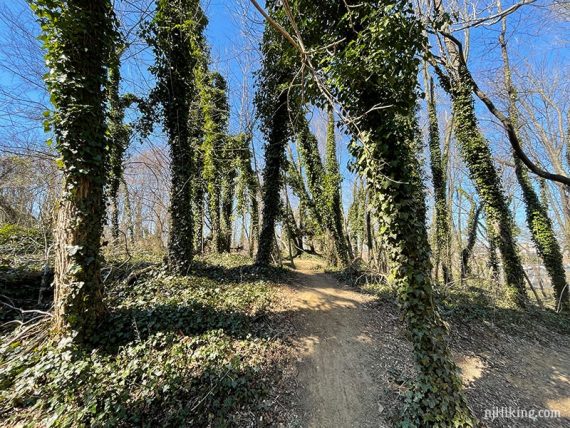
(335,370)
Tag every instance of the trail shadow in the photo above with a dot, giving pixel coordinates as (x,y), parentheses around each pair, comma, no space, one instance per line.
(337,353)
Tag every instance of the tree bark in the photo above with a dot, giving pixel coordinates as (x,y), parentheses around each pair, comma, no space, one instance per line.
(272,180)
(79,56)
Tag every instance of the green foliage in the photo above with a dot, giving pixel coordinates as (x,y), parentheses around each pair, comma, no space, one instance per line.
(477,155)
(12,234)
(439,178)
(274,97)
(176,36)
(79,38)
(173,351)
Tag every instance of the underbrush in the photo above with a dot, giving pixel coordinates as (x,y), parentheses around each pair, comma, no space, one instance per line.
(172,351)
(479,301)
(24,272)
(474,301)
(18,240)
(366,280)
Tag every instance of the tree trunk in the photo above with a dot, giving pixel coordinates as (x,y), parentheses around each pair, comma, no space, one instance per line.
(439,180)
(79,56)
(537,218)
(128,212)
(272,179)
(477,156)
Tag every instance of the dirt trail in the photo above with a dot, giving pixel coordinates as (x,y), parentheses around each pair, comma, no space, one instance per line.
(337,357)
(354,358)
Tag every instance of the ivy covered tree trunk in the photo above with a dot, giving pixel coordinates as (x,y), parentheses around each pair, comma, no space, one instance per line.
(472,224)
(477,156)
(214,207)
(216,114)
(543,236)
(333,181)
(294,238)
(254,228)
(397,196)
(537,218)
(196,126)
(228,193)
(277,138)
(119,135)
(273,101)
(306,202)
(79,37)
(493,262)
(253,187)
(198,205)
(180,242)
(439,179)
(324,186)
(356,219)
(177,40)
(248,186)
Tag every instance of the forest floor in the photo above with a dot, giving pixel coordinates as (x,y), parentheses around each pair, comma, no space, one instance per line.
(230,345)
(353,361)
